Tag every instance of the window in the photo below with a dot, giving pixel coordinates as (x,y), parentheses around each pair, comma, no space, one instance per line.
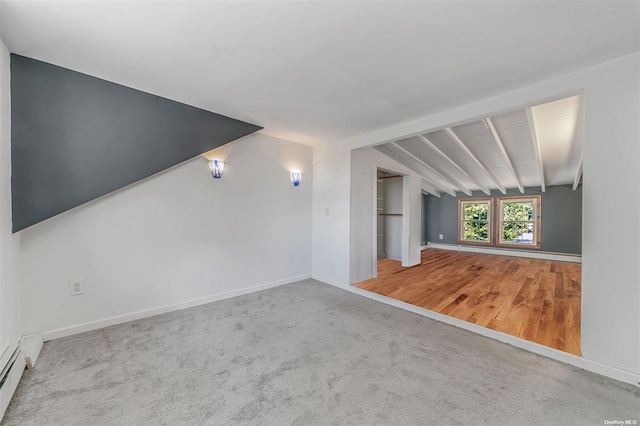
(474,221)
(519,221)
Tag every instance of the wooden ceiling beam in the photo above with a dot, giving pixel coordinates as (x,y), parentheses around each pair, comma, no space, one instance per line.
(386,150)
(536,148)
(503,152)
(451,181)
(426,187)
(432,146)
(486,171)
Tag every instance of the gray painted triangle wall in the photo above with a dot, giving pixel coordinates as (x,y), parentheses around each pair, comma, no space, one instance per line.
(75,137)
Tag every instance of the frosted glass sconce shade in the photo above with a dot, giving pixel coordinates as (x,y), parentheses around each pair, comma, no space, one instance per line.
(216,167)
(296,177)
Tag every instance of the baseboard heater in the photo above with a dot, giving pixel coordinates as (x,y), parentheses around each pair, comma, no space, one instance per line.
(7,368)
(559,257)
(24,355)
(10,377)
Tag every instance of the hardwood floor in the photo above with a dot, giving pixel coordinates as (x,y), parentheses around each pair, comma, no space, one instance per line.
(537,300)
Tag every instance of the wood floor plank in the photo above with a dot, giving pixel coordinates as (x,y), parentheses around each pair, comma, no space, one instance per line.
(537,300)
(533,320)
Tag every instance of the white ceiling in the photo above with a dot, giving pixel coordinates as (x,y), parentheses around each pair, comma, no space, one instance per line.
(322,71)
(537,146)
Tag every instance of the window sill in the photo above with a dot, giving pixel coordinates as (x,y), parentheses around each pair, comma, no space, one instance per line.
(476,243)
(520,246)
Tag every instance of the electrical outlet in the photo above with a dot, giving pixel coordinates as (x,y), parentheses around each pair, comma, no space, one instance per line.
(76,287)
(441,237)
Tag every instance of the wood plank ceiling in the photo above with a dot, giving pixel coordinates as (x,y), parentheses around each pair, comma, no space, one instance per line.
(538,146)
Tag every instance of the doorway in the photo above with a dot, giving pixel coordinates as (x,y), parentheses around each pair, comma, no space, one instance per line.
(389,188)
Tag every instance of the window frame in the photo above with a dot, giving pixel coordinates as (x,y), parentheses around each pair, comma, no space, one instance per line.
(461,221)
(537,213)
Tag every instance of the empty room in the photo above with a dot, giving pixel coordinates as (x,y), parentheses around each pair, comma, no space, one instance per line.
(505,193)
(310,212)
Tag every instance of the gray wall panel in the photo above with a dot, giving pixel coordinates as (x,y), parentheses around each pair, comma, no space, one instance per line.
(77,137)
(561,221)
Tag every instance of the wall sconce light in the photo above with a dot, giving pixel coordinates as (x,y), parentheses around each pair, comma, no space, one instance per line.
(296,176)
(216,167)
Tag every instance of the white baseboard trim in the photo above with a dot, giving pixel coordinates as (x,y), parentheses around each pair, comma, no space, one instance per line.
(106,322)
(545,255)
(331,282)
(576,361)
(31,346)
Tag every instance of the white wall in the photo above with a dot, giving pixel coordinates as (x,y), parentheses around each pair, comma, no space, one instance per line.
(10,326)
(175,237)
(364,164)
(611,252)
(331,209)
(611,230)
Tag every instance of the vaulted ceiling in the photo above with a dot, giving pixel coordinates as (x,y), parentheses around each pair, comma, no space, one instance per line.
(316,71)
(537,146)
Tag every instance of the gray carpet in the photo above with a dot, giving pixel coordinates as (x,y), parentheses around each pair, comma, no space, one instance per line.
(305,353)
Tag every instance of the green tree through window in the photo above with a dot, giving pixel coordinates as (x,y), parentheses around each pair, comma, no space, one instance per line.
(519,221)
(475,220)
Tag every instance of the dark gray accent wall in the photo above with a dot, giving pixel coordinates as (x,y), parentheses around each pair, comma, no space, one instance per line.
(75,137)
(560,226)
